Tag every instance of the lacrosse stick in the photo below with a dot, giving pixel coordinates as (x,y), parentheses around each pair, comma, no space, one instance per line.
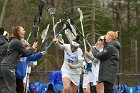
(26,79)
(60,40)
(35,29)
(81,20)
(59,36)
(77,29)
(69,35)
(44,36)
(71,27)
(52,13)
(54,27)
(44,33)
(70,31)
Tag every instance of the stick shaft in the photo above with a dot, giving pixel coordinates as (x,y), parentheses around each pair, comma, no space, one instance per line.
(83,36)
(49,46)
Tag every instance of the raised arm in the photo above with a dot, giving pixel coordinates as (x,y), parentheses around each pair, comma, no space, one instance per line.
(17,45)
(59,44)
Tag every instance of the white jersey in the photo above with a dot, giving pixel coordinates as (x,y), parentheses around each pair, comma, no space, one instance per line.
(71,57)
(91,76)
(95,69)
(94,74)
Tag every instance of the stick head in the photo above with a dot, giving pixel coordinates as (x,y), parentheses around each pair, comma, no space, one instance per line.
(81,14)
(52,11)
(35,30)
(69,35)
(44,33)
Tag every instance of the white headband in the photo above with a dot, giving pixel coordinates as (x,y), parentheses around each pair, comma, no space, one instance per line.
(102,37)
(75,44)
(5,32)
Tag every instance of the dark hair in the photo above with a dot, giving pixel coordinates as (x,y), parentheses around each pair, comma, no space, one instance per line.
(77,39)
(1,31)
(15,31)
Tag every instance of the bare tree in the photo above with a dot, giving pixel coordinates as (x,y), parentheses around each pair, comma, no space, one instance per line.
(3,12)
(93,25)
(128,14)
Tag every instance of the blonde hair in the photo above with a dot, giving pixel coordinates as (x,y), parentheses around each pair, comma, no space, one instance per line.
(114,35)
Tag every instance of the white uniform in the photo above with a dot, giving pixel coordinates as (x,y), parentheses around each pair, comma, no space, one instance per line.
(96,65)
(85,79)
(95,72)
(91,76)
(94,75)
(73,58)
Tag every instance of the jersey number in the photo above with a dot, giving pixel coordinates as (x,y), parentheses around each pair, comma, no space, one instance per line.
(70,61)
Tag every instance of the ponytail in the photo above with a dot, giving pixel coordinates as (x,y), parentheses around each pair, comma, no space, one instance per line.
(15,31)
(77,39)
(114,35)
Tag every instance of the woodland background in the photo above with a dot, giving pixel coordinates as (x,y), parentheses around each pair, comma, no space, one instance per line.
(100,16)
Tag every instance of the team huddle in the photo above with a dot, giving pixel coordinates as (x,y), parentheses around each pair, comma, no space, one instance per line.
(98,65)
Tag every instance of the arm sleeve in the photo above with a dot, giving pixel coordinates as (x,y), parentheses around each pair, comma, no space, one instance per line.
(19,47)
(107,52)
(91,57)
(34,57)
(95,60)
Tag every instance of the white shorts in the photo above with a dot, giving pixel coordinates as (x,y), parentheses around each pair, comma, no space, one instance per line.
(90,77)
(75,78)
(85,80)
(95,73)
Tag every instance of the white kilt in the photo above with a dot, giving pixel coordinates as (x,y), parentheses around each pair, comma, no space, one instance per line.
(75,78)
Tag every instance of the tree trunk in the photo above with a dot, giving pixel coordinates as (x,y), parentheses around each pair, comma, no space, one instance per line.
(3,12)
(93,25)
(118,19)
(118,28)
(71,4)
(137,14)
(128,14)
(136,55)
(113,13)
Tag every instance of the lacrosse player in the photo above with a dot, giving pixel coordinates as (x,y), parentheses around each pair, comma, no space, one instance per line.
(73,61)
